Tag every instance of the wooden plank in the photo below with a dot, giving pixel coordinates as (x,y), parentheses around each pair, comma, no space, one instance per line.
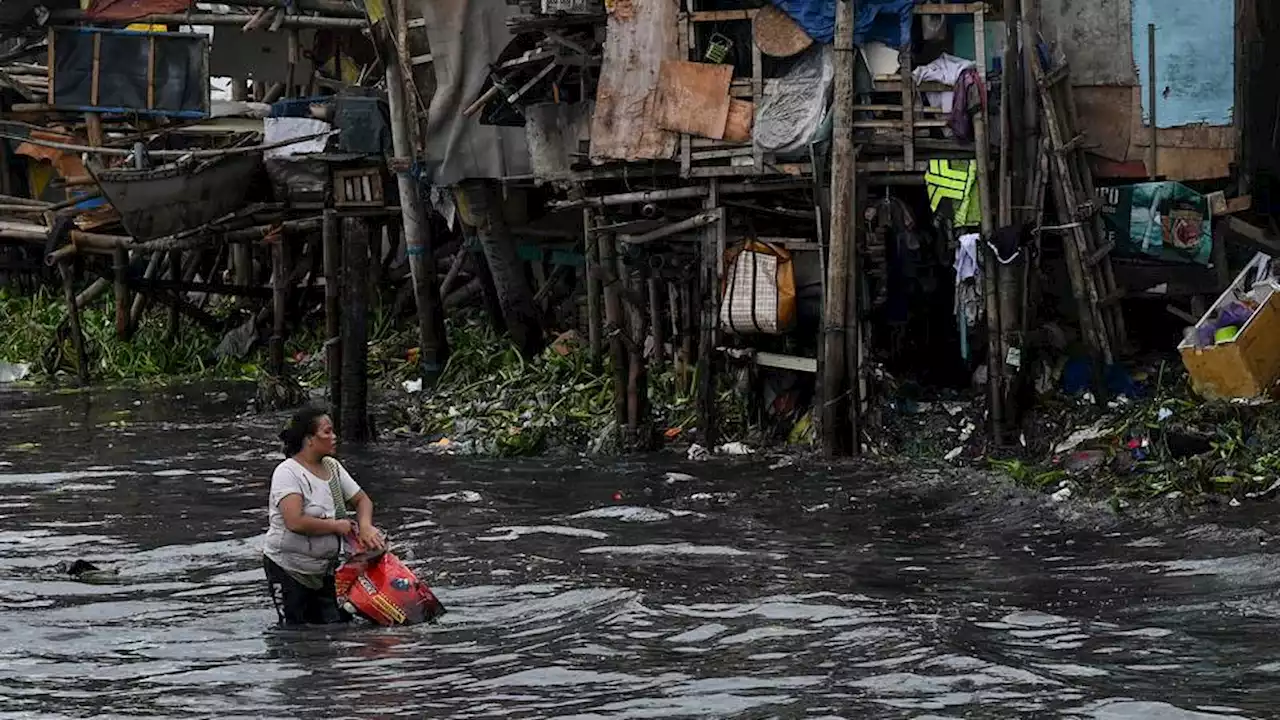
(950,9)
(96,72)
(624,125)
(713,16)
(1252,236)
(687,40)
(898,124)
(50,66)
(892,84)
(787,362)
(797,169)
(694,97)
(151,73)
(746,151)
(757,92)
(873,107)
(908,109)
(741,117)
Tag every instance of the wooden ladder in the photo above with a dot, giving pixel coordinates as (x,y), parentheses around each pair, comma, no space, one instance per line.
(1093,280)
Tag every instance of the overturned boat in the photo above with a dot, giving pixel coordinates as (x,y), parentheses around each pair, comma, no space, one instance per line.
(187,193)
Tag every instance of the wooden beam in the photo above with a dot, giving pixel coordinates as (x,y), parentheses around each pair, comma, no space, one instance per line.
(1252,236)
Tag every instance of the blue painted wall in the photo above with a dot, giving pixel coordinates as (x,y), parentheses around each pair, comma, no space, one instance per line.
(1195,60)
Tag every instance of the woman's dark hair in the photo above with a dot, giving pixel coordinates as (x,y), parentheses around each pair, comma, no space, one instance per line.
(303,423)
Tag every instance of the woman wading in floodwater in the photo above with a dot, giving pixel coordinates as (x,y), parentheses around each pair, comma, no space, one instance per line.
(310,494)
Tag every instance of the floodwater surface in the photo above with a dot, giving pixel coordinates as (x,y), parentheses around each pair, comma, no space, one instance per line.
(585,588)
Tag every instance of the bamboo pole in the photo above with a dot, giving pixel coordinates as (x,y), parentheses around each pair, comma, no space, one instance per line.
(332,8)
(238,19)
(432,343)
(120,269)
(240,150)
(700,220)
(96,289)
(591,249)
(140,301)
(708,286)
(843,170)
(614,326)
(656,291)
(686,294)
(175,274)
(637,370)
(991,271)
(684,193)
(1151,98)
(332,259)
(355,352)
(1028,26)
(73,319)
(455,269)
(278,289)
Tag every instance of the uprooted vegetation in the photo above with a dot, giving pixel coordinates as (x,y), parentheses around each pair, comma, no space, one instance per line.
(1170,444)
(491,400)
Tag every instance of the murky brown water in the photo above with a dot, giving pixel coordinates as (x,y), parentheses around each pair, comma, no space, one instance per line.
(742,591)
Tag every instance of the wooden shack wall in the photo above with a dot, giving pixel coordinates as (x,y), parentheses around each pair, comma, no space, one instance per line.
(1105,43)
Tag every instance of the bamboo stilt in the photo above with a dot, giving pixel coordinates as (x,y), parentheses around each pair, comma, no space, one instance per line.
(332,260)
(843,170)
(637,437)
(432,343)
(140,301)
(991,272)
(73,319)
(120,270)
(355,379)
(278,290)
(175,274)
(708,288)
(656,328)
(96,289)
(591,250)
(614,325)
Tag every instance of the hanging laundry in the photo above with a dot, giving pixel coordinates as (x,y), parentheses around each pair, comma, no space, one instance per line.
(968,93)
(1008,242)
(968,299)
(966,265)
(955,182)
(970,96)
(946,70)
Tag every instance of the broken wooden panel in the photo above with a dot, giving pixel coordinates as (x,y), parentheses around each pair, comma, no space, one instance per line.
(693,97)
(554,131)
(641,34)
(742,115)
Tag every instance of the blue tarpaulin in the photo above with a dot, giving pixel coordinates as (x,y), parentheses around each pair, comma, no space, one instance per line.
(888,21)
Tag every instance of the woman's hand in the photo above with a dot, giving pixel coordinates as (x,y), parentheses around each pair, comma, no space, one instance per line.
(371,538)
(343,527)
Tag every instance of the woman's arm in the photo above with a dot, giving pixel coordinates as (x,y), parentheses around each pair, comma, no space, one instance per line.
(370,536)
(303,524)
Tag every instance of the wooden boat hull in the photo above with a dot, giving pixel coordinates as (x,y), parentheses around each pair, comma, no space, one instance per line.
(157,202)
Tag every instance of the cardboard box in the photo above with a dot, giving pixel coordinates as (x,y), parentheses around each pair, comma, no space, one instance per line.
(1248,366)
